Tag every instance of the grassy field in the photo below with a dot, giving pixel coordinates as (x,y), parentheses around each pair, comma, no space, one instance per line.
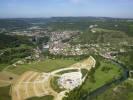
(4,93)
(2,66)
(42,66)
(101,77)
(48,97)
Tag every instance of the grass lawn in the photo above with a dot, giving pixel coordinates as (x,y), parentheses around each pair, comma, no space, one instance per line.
(42,66)
(102,77)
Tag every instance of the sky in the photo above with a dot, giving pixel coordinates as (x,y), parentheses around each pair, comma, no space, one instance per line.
(54,8)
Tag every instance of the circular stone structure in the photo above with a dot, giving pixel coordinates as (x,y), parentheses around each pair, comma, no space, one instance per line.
(70,80)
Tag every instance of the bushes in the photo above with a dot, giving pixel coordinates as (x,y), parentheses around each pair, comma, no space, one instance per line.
(127,58)
(76,58)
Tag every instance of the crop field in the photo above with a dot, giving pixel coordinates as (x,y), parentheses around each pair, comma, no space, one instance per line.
(42,66)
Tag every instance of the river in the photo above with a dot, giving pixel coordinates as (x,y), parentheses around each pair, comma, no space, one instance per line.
(103,88)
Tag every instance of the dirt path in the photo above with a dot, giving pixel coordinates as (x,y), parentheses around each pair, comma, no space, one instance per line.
(38,84)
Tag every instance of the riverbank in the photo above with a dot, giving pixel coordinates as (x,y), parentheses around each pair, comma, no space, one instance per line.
(106,86)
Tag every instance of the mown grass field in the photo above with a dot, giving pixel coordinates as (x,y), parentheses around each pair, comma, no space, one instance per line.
(102,77)
(42,66)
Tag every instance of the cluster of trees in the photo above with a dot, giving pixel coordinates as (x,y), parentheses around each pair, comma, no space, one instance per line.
(127,59)
(13,24)
(76,57)
(8,41)
(13,48)
(10,55)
